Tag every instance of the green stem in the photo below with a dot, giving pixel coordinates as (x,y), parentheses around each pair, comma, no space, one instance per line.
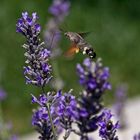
(4,132)
(1,116)
(50,117)
(52,125)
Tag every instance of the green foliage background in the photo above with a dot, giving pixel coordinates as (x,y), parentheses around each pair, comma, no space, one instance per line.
(115,26)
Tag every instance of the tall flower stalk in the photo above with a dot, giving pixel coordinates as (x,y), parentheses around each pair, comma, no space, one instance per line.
(59,10)
(56,111)
(37,70)
(93,76)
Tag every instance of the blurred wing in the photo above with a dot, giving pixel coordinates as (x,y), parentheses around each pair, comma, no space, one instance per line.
(84,34)
(72,50)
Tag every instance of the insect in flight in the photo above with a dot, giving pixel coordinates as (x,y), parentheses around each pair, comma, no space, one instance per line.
(79,44)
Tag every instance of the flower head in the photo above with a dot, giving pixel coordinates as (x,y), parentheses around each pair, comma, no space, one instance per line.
(27,25)
(37,70)
(93,76)
(107,129)
(59,10)
(59,7)
(62,110)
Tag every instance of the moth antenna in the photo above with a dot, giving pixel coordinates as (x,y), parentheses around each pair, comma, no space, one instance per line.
(66,25)
(61,30)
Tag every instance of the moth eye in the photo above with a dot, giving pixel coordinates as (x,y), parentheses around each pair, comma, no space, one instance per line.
(66,35)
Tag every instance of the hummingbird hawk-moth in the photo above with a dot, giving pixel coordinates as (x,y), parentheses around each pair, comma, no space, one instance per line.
(79,44)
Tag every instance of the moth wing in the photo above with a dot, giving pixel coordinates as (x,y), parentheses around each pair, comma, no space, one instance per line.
(84,34)
(72,50)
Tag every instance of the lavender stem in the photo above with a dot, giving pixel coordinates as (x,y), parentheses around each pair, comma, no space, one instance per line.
(1,118)
(48,109)
(53,129)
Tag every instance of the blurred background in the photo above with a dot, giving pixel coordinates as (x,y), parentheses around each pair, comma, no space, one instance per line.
(115,32)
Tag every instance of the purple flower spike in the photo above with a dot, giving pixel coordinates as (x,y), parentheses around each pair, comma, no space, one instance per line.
(37,70)
(94,79)
(136,136)
(63,109)
(60,7)
(25,23)
(107,129)
(87,62)
(93,76)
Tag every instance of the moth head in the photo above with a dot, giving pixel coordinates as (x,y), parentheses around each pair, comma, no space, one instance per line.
(72,36)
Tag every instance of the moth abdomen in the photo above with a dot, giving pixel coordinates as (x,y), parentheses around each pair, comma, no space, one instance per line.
(90,52)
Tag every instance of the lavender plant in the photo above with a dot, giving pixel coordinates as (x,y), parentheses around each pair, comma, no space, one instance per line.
(37,69)
(94,79)
(62,110)
(56,110)
(119,106)
(107,129)
(59,10)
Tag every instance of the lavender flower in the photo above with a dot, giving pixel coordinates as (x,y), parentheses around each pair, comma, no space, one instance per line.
(119,106)
(59,9)
(136,136)
(37,70)
(62,110)
(94,78)
(107,129)
(2,94)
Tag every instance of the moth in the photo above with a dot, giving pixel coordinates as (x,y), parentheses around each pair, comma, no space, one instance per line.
(79,44)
